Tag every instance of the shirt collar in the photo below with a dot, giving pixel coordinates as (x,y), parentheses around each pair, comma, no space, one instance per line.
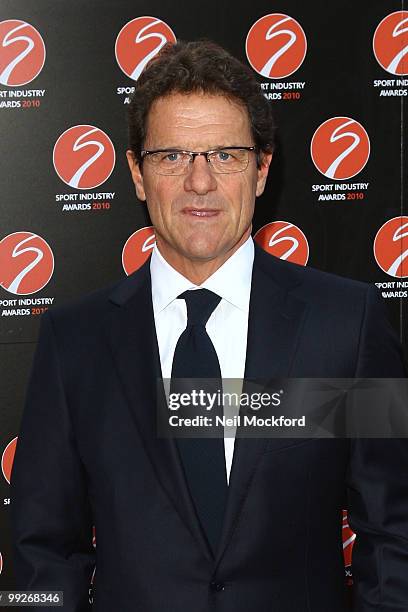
(232,281)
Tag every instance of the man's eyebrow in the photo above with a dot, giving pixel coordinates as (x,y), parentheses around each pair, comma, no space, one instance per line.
(180,148)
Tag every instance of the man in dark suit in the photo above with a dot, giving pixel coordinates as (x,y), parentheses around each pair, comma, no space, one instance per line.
(234,525)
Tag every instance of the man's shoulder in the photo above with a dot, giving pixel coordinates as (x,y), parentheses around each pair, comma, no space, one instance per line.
(308,282)
(93,308)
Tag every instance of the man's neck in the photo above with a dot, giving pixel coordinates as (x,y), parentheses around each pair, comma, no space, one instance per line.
(197,270)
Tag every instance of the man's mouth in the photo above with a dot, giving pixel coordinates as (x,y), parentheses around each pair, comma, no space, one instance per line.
(201,212)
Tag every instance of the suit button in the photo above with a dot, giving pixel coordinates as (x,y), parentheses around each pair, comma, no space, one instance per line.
(217,586)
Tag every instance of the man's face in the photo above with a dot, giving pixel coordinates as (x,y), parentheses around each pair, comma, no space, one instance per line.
(200,216)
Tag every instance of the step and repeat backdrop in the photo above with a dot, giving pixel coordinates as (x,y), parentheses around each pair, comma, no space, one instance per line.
(337,77)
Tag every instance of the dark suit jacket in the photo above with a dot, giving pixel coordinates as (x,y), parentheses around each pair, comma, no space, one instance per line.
(88,455)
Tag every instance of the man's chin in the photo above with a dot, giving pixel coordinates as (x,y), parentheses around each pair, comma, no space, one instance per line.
(196,247)
(203,254)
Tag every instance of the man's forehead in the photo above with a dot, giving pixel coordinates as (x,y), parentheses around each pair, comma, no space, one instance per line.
(197,114)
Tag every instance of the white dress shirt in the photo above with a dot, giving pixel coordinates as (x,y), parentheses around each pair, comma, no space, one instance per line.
(227,325)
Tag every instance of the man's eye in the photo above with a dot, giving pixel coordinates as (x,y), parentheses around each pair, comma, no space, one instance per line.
(224,156)
(171,157)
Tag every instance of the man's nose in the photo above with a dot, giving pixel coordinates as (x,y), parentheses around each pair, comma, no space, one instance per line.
(200,177)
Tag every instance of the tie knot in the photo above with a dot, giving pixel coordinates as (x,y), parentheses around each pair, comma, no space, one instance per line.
(200,303)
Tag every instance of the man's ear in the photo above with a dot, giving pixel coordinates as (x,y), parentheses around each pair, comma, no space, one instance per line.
(137,176)
(264,163)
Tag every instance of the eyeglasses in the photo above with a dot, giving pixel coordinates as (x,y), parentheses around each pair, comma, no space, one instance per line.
(175,162)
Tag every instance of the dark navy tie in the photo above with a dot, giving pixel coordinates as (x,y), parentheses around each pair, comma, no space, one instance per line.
(203,459)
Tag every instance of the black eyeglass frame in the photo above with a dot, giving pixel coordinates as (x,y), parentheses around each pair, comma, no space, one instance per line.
(194,154)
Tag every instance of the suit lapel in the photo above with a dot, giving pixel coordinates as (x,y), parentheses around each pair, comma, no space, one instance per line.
(133,342)
(274,326)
